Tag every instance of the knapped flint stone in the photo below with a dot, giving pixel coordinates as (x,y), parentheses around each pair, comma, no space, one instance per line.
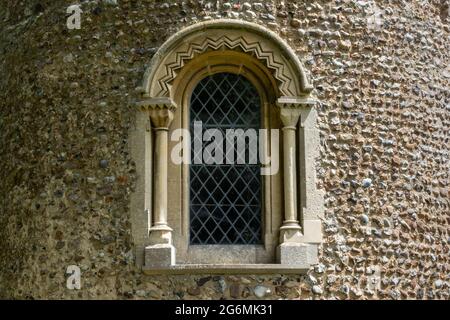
(396,125)
(366,183)
(261,291)
(194,291)
(235,290)
(103,163)
(317,289)
(161,255)
(60,245)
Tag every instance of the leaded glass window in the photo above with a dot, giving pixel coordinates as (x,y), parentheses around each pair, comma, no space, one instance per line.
(225,199)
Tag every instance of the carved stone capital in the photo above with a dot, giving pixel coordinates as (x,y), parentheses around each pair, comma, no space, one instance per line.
(161,118)
(289,117)
(160,111)
(291,109)
(295,102)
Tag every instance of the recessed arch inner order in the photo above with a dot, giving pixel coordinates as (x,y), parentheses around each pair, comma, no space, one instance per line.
(245,65)
(224,61)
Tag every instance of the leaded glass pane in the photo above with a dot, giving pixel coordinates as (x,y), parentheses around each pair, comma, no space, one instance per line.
(225,199)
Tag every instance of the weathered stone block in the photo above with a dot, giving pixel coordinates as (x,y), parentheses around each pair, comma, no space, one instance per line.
(159,255)
(298,254)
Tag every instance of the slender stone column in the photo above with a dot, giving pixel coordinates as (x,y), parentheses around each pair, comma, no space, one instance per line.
(291,250)
(161,119)
(290,229)
(161,252)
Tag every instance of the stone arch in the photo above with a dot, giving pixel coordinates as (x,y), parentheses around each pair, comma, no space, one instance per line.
(220,35)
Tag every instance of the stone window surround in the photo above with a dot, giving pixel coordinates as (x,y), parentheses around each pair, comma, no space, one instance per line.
(264,58)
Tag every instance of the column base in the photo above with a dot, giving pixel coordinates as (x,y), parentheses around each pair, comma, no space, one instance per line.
(290,231)
(160,234)
(159,255)
(298,254)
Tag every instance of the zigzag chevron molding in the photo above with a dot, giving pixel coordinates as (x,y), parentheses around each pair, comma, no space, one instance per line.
(239,43)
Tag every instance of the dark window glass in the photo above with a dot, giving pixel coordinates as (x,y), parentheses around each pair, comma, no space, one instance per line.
(225,199)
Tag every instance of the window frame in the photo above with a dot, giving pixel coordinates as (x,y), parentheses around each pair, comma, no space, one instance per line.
(292,104)
(193,72)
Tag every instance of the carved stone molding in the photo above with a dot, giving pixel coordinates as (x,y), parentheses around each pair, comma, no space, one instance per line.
(286,102)
(267,56)
(156,103)
(245,48)
(226,34)
(160,111)
(160,252)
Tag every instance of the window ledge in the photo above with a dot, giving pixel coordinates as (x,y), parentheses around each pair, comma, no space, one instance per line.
(226,269)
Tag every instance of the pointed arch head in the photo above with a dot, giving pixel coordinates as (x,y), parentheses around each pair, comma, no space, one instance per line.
(268,48)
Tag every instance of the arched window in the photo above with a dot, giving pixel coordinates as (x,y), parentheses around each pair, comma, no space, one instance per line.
(215,216)
(225,196)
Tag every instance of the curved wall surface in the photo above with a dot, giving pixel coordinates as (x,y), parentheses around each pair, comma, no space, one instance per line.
(380,70)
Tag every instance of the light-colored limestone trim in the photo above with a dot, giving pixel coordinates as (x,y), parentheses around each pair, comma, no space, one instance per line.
(158,103)
(160,217)
(198,68)
(221,34)
(311,199)
(299,182)
(160,252)
(235,269)
(290,230)
(141,145)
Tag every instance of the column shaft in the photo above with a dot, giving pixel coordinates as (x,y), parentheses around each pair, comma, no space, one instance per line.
(160,177)
(160,252)
(290,175)
(290,231)
(292,249)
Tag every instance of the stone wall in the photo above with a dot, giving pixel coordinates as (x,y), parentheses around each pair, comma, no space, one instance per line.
(380,70)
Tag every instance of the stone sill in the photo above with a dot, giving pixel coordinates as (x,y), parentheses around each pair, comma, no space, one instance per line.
(226,269)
